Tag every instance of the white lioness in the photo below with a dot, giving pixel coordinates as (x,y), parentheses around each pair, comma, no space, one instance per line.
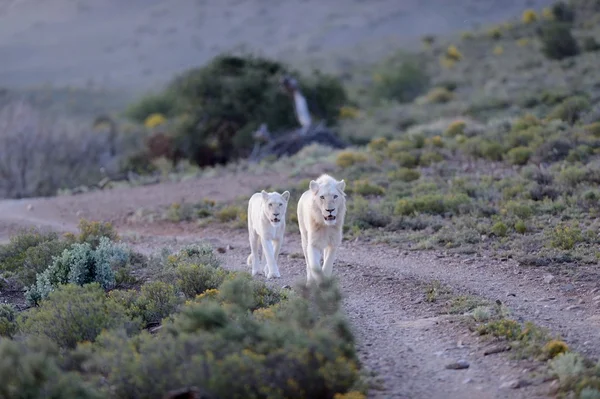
(266,227)
(321,214)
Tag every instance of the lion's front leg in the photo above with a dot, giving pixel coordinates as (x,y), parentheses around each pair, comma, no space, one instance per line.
(276,250)
(269,253)
(313,264)
(329,257)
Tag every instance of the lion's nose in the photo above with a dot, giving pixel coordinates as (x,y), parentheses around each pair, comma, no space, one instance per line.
(330,210)
(275,214)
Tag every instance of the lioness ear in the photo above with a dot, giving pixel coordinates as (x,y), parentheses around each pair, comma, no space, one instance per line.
(341,185)
(286,196)
(314,186)
(265,195)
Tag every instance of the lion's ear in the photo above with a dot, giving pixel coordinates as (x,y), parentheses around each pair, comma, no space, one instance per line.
(286,196)
(341,185)
(265,195)
(314,186)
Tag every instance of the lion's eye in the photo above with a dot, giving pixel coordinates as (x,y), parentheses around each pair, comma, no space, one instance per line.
(335,196)
(322,197)
(270,205)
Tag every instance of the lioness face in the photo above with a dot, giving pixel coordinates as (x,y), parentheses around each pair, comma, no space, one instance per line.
(275,206)
(328,199)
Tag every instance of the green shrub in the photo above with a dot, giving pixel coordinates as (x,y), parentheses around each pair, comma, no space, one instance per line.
(430,157)
(500,229)
(366,188)
(346,159)
(570,110)
(503,328)
(92,232)
(194,279)
(30,253)
(228,213)
(404,174)
(156,301)
(363,215)
(405,159)
(558,41)
(492,150)
(80,265)
(73,314)
(572,175)
(402,83)
(565,237)
(32,369)
(434,204)
(227,99)
(196,254)
(8,321)
(305,349)
(519,155)
(520,227)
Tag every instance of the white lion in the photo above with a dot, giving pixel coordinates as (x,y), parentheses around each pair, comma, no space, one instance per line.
(321,214)
(266,227)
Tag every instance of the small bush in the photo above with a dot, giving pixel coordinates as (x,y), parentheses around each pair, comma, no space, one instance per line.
(565,237)
(456,128)
(404,174)
(156,301)
(504,328)
(567,367)
(8,321)
(80,265)
(34,369)
(570,110)
(519,155)
(554,348)
(30,253)
(405,159)
(435,204)
(378,144)
(364,215)
(73,314)
(452,53)
(558,41)
(494,33)
(194,279)
(520,227)
(228,213)
(439,95)
(346,159)
(500,229)
(366,188)
(498,50)
(93,231)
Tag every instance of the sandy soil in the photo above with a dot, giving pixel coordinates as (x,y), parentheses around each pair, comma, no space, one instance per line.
(401,337)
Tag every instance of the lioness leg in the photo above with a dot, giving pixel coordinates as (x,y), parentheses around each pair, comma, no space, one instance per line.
(314,263)
(268,252)
(253,259)
(329,257)
(277,249)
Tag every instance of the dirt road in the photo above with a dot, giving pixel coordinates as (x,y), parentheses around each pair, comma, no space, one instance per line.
(401,337)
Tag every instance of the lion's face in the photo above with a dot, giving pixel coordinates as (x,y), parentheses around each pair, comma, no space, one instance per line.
(329,198)
(275,206)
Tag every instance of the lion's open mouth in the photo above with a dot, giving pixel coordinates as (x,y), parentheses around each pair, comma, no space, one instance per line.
(275,220)
(330,218)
